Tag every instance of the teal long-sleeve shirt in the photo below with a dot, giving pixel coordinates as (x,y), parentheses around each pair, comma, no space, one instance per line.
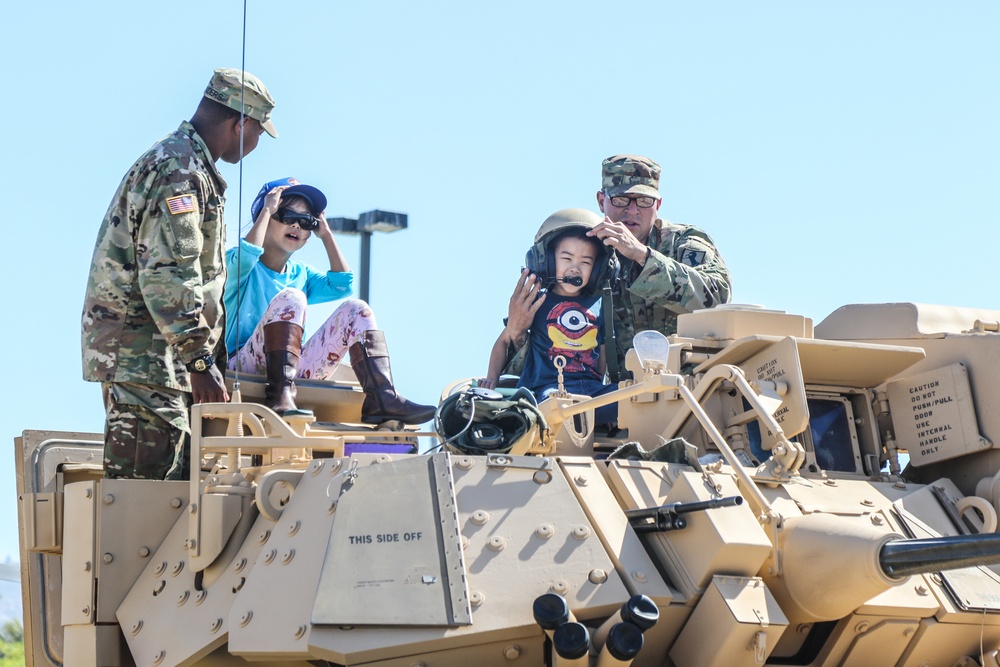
(259,284)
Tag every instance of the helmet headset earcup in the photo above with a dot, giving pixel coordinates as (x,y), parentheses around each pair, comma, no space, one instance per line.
(538,261)
(541,259)
(605,272)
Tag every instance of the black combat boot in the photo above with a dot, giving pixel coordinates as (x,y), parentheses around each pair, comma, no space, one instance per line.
(370,361)
(282,346)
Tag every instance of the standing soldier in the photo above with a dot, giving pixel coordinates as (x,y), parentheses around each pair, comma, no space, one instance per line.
(153,317)
(666,269)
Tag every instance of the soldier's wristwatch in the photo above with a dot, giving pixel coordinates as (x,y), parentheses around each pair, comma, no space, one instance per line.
(200,365)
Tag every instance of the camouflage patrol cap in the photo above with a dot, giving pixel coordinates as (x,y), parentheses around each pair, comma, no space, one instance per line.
(257,103)
(631,175)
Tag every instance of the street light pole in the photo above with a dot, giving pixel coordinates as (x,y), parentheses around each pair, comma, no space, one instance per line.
(363,226)
(366,260)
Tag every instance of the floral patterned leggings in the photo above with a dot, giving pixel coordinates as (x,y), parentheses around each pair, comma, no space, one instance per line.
(324,349)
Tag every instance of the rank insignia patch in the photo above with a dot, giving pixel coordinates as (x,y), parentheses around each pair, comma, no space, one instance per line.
(182,204)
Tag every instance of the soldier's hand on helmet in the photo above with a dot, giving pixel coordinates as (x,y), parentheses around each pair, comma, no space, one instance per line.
(619,237)
(486,383)
(527,298)
(209,387)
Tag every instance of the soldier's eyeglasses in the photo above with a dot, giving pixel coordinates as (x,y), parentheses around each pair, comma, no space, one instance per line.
(641,202)
(304,220)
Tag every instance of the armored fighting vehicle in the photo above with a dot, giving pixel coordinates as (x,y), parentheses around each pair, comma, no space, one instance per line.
(751,508)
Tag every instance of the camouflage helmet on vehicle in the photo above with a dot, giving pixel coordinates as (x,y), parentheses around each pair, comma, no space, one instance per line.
(540,258)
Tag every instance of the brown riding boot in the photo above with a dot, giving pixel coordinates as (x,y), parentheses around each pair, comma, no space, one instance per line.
(282,346)
(370,361)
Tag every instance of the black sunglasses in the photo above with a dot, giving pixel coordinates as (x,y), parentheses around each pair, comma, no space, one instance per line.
(303,220)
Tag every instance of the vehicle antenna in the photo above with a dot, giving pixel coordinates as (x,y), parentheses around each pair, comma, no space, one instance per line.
(239,203)
(237,396)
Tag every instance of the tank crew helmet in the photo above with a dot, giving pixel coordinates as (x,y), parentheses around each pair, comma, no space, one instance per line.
(541,260)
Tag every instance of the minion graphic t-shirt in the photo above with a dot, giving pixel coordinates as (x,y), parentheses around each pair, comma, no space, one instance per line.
(571,327)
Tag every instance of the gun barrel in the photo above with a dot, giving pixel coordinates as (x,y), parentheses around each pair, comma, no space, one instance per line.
(901,558)
(668,517)
(683,508)
(731,501)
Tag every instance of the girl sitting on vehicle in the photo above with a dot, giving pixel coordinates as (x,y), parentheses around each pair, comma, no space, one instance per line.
(268,292)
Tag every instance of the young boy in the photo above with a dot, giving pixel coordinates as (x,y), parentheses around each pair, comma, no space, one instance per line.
(568,321)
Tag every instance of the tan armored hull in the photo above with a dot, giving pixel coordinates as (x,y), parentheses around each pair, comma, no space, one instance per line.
(751,511)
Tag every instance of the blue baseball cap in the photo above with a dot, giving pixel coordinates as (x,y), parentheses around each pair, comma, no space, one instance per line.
(316,199)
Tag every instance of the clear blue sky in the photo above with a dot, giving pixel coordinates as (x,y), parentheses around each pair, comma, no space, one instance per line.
(838,153)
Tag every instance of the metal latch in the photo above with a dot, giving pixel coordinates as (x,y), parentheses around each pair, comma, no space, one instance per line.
(759,647)
(540,464)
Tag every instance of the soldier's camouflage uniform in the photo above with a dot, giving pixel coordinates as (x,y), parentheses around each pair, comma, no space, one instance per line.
(154,303)
(684,273)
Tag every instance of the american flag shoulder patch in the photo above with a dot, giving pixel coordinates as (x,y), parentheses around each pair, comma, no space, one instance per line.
(182,204)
